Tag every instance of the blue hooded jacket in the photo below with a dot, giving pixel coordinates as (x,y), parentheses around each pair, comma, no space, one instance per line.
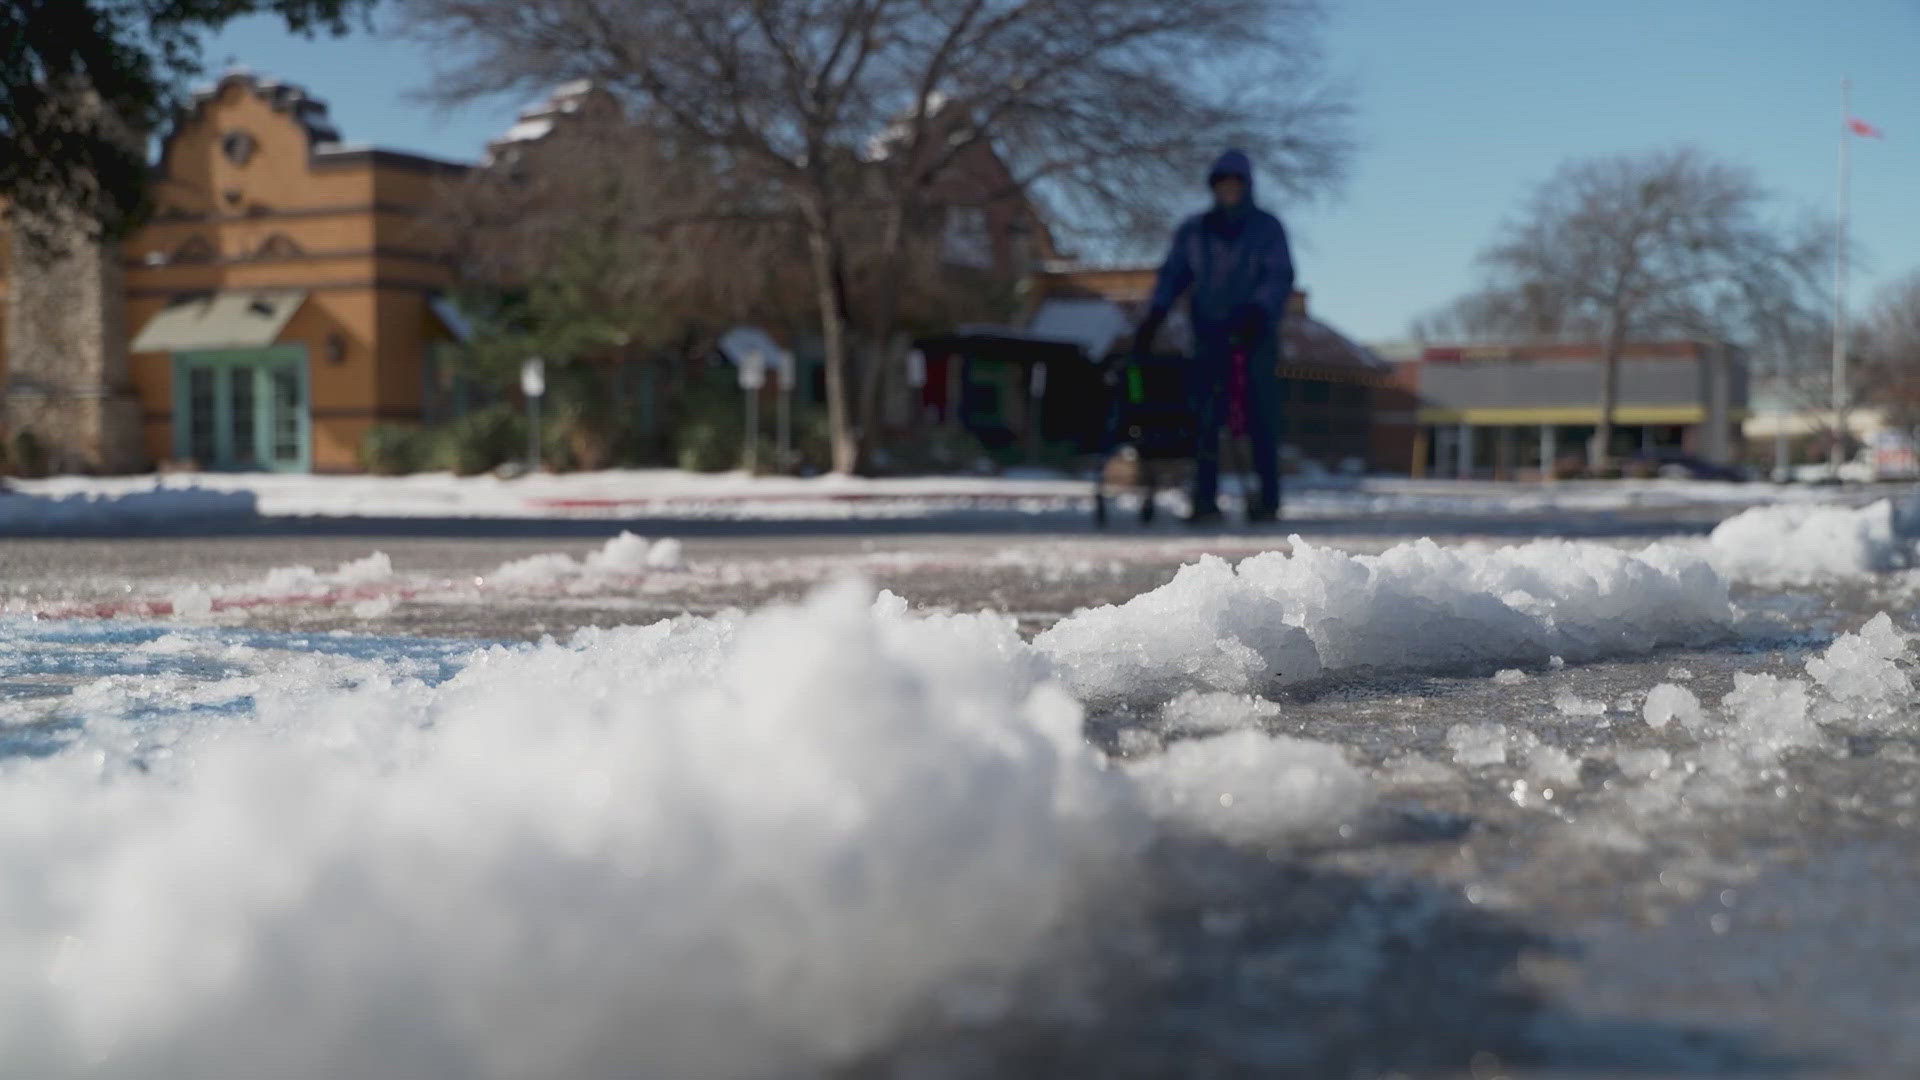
(1231,260)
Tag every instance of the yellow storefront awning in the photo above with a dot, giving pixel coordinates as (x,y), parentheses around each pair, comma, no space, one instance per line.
(1571,415)
(243,319)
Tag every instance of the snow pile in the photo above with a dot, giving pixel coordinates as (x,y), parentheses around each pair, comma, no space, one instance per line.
(1643,764)
(1201,713)
(757,844)
(1281,617)
(1667,702)
(192,601)
(286,582)
(1241,784)
(1552,765)
(375,569)
(630,554)
(1207,629)
(625,555)
(1478,744)
(1804,545)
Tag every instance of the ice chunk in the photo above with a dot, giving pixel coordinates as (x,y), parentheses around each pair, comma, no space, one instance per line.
(551,568)
(1667,702)
(1478,744)
(1413,769)
(1800,545)
(1194,711)
(1548,765)
(300,580)
(192,601)
(626,555)
(1644,763)
(665,554)
(372,570)
(1569,703)
(1770,713)
(1207,629)
(378,607)
(1249,787)
(1509,677)
(1862,674)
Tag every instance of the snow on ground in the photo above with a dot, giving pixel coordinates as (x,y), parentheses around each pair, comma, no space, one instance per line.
(1284,617)
(755,806)
(779,841)
(1800,544)
(72,502)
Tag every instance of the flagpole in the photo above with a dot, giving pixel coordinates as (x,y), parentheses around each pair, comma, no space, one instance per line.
(1836,453)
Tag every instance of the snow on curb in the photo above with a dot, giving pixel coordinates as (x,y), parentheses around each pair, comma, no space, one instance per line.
(25,513)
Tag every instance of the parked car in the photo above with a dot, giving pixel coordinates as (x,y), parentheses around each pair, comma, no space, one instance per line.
(1675,466)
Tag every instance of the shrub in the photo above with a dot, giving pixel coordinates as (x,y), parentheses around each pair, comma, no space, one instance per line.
(393,449)
(28,456)
(478,442)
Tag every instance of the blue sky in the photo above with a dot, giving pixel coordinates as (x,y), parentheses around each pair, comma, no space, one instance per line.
(1463,106)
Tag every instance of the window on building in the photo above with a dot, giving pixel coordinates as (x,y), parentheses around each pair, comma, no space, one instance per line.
(194,249)
(967,242)
(278,246)
(238,147)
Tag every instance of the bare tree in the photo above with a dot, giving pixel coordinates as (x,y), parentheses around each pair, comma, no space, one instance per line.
(1619,247)
(1890,346)
(849,111)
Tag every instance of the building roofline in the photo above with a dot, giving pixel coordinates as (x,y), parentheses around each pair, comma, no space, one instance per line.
(1476,352)
(398,159)
(323,139)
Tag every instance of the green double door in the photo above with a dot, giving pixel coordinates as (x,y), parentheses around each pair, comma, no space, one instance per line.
(243,409)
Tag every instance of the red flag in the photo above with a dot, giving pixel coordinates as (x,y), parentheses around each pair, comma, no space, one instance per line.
(1861,127)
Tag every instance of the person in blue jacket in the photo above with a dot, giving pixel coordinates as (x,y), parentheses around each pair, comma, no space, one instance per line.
(1233,265)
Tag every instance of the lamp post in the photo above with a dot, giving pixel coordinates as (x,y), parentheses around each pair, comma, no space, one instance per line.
(533,384)
(783,419)
(753,375)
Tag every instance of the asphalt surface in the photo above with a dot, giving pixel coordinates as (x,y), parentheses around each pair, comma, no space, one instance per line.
(1468,928)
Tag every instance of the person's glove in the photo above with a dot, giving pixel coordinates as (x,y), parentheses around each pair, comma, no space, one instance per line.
(1251,323)
(1148,330)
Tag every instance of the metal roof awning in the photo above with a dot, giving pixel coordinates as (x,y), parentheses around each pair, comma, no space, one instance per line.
(452,318)
(242,319)
(987,341)
(1093,323)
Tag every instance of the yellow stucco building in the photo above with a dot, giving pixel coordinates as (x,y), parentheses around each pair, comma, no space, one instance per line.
(282,300)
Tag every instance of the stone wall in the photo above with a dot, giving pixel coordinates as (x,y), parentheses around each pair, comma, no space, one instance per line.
(66,343)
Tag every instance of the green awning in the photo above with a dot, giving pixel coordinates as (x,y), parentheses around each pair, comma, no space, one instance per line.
(244,319)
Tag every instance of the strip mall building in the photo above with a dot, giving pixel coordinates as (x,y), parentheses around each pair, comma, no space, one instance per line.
(1507,411)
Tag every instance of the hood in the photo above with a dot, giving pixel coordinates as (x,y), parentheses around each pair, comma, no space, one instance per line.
(1233,163)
